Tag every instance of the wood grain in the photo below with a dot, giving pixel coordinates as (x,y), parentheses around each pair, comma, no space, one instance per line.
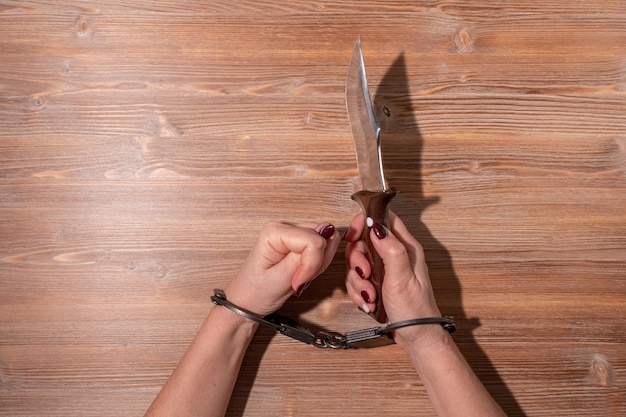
(143,145)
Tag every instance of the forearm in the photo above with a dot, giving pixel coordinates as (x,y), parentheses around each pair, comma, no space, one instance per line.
(202,383)
(452,386)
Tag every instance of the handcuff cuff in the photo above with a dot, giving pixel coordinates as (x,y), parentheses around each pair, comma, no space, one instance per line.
(358,339)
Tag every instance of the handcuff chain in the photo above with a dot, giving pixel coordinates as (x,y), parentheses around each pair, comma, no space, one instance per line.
(366,338)
(324,340)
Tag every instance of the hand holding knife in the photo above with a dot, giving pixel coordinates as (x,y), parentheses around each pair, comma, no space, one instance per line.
(375,196)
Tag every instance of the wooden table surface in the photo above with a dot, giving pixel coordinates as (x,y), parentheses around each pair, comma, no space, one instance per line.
(144,144)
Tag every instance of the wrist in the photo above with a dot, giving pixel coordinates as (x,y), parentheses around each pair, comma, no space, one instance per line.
(232,322)
(219,298)
(423,339)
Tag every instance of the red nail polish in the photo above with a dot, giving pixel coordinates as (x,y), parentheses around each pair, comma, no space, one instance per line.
(379,231)
(360,272)
(300,290)
(366,296)
(327,231)
(302,287)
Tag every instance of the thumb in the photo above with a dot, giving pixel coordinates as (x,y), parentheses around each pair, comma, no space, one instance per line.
(398,269)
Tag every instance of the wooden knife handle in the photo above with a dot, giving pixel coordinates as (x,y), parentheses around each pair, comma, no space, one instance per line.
(374,205)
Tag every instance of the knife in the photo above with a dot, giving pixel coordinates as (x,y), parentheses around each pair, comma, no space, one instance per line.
(375,196)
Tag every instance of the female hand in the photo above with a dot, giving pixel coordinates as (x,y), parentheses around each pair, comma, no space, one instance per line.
(407,292)
(283,260)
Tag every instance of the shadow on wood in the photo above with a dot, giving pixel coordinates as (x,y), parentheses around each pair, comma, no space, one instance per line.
(402,153)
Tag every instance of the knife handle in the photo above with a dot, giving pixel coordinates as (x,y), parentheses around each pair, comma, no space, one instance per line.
(375,206)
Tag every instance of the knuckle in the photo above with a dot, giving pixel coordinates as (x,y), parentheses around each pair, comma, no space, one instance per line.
(397,251)
(317,242)
(271,226)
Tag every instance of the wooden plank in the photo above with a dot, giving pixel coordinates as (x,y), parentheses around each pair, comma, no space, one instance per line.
(144,143)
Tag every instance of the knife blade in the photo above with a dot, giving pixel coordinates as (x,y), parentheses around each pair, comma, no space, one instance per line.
(375,196)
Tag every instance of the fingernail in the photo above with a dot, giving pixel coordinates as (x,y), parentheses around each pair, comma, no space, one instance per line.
(327,231)
(379,231)
(366,296)
(302,287)
(365,308)
(360,272)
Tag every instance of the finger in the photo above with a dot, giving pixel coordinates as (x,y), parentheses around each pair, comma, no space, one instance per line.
(355,229)
(328,232)
(331,235)
(357,260)
(398,268)
(332,244)
(399,229)
(317,256)
(283,238)
(361,292)
(310,263)
(360,289)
